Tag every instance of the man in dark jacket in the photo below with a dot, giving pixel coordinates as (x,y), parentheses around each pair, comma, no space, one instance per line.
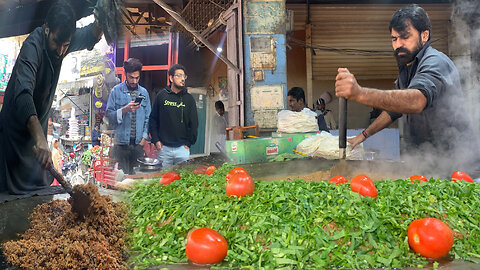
(96,135)
(174,121)
(29,97)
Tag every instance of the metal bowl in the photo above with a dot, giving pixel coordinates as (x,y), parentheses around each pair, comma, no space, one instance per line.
(148,161)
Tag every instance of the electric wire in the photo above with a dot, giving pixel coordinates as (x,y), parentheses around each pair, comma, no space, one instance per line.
(345,51)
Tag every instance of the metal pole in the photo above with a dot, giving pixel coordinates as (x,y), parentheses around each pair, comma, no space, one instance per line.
(342,127)
(195,33)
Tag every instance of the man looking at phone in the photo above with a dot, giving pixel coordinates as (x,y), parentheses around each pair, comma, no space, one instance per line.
(128,112)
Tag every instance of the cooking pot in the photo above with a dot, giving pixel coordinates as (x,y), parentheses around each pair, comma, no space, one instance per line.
(149,164)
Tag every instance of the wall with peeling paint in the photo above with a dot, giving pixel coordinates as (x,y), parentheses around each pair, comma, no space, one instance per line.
(265,61)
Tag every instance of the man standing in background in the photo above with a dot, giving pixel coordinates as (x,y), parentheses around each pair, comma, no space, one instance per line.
(174,120)
(221,122)
(324,99)
(128,112)
(56,159)
(96,135)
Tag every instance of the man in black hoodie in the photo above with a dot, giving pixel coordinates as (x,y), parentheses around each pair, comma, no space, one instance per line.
(173,121)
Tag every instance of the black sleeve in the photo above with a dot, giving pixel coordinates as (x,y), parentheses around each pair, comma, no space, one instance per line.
(322,125)
(193,122)
(154,120)
(28,62)
(83,38)
(394,115)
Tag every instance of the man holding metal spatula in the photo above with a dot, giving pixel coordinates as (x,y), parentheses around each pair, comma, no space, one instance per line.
(29,97)
(429,96)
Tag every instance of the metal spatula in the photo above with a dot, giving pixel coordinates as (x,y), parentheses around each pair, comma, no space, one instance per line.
(342,168)
(81,201)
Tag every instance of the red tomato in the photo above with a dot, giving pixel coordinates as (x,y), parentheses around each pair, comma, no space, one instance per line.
(459,176)
(235,171)
(169,177)
(210,170)
(338,180)
(239,185)
(363,185)
(206,246)
(200,169)
(430,237)
(418,177)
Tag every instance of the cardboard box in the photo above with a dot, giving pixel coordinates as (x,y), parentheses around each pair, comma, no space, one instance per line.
(256,150)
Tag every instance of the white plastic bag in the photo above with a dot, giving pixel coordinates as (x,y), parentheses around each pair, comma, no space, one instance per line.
(326,145)
(297,122)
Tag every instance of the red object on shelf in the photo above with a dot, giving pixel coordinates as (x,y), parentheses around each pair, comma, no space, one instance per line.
(104,168)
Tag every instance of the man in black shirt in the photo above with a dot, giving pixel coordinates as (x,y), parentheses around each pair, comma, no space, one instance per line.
(429,96)
(174,122)
(29,97)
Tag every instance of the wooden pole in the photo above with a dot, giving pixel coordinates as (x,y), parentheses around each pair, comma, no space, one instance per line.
(308,54)
(195,33)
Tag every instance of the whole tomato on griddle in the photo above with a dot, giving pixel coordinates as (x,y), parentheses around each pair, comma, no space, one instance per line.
(363,185)
(430,237)
(459,176)
(206,246)
(169,177)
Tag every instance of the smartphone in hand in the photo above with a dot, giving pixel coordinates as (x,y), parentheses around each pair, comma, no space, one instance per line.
(139,99)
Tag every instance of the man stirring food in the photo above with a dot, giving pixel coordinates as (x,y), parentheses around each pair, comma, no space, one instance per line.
(428,95)
(29,97)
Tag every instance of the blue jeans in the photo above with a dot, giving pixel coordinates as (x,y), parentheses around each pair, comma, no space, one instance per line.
(170,156)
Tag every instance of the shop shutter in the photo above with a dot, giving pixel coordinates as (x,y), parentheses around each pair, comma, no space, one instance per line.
(361,27)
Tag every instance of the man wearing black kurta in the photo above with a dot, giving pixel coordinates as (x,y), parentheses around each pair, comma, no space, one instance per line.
(29,97)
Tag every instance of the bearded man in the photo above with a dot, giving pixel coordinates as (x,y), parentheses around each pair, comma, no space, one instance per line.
(428,95)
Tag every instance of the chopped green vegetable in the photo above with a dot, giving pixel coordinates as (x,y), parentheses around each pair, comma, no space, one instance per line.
(298,224)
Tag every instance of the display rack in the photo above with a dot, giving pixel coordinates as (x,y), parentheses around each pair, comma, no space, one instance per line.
(105,173)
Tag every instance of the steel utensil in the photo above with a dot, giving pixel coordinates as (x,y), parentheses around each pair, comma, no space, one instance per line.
(342,127)
(81,201)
